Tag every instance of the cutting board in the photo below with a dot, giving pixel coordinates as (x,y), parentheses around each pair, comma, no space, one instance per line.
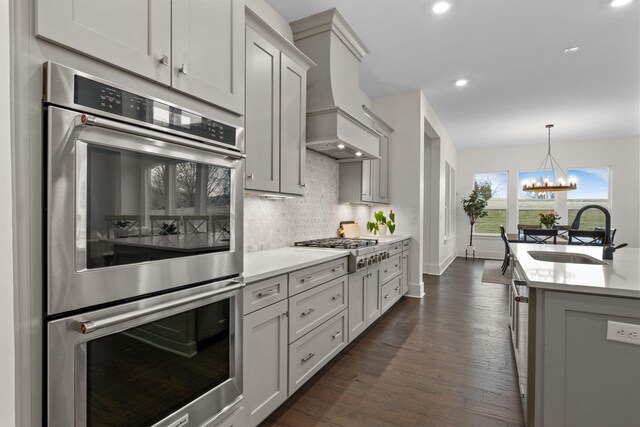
(351,231)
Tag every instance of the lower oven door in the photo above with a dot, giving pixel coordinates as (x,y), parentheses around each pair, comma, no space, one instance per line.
(162,361)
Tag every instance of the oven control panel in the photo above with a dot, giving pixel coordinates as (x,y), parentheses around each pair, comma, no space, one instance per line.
(103,97)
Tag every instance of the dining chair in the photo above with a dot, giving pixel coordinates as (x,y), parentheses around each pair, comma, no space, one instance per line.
(586,237)
(119,226)
(542,235)
(196,224)
(521,228)
(163,225)
(507,250)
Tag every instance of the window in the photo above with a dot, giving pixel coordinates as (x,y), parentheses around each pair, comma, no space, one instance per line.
(530,204)
(493,187)
(593,189)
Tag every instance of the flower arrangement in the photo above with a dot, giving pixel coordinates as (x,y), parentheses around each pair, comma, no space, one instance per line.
(549,219)
(381,223)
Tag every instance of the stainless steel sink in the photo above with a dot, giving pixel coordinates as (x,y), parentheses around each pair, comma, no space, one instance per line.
(566,257)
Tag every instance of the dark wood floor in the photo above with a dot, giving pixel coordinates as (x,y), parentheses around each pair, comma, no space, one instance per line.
(444,360)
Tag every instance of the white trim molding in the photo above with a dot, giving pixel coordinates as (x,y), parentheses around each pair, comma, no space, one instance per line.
(416,290)
(499,255)
(438,269)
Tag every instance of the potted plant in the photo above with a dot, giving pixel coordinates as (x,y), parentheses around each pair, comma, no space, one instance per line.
(474,206)
(381,223)
(549,219)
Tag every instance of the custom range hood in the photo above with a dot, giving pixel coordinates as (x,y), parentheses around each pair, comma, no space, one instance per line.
(336,123)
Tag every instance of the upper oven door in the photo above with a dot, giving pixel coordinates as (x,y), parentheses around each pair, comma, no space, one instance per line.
(131,211)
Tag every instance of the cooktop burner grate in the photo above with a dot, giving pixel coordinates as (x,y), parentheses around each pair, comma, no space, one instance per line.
(338,243)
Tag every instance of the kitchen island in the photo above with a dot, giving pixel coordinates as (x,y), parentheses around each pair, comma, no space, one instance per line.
(575,365)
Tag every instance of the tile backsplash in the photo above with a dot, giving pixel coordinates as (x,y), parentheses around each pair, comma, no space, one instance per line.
(272,224)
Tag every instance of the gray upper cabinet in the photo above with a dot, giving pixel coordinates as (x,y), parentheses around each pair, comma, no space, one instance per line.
(207,42)
(262,129)
(368,181)
(293,119)
(276,106)
(193,46)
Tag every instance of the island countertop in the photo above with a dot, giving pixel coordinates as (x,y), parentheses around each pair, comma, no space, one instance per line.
(264,264)
(618,277)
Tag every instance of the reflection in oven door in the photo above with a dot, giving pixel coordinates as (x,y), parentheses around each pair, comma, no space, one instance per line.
(151,369)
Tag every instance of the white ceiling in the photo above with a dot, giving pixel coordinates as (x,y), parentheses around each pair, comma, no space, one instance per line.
(512,51)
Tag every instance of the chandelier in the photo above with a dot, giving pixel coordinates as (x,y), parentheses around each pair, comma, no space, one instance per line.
(547,179)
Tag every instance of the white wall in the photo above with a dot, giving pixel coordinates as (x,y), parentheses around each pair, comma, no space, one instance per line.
(402,112)
(442,250)
(621,155)
(7,337)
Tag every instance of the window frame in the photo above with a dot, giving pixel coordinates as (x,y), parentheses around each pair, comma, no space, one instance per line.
(506,209)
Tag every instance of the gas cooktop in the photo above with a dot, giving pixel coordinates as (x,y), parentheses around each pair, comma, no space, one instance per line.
(338,243)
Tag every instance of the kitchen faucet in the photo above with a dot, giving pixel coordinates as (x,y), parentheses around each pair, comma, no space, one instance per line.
(607,245)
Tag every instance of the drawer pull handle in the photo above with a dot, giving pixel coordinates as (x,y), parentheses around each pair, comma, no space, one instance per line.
(336,335)
(266,293)
(335,297)
(304,279)
(307,357)
(398,288)
(386,296)
(334,269)
(396,266)
(386,271)
(308,311)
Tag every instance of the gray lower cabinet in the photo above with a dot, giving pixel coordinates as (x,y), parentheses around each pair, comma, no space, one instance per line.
(364,300)
(276,111)
(372,296)
(405,272)
(311,352)
(391,292)
(265,361)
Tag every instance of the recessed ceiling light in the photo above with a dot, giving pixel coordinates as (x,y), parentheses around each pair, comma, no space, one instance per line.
(358,153)
(443,6)
(571,49)
(618,3)
(341,146)
(462,82)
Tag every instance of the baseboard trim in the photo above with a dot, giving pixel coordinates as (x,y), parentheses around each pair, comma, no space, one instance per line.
(416,290)
(499,255)
(437,270)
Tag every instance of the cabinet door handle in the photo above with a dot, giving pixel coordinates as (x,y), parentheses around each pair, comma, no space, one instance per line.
(337,334)
(303,185)
(396,266)
(398,288)
(307,357)
(285,314)
(265,293)
(184,69)
(164,60)
(386,296)
(335,297)
(250,176)
(307,312)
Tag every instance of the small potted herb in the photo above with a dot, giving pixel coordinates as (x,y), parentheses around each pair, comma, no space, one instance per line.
(549,219)
(381,223)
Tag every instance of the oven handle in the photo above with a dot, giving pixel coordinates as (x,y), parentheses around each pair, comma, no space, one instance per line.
(89,120)
(88,326)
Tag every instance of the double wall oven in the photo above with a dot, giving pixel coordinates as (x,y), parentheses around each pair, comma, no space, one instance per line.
(143,257)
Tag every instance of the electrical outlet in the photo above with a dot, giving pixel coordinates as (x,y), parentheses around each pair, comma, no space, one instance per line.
(623,332)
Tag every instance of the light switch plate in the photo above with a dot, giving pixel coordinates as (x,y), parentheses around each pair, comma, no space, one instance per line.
(623,332)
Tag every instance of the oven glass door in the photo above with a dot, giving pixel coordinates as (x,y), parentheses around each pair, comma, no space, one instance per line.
(132,212)
(141,375)
(148,369)
(144,207)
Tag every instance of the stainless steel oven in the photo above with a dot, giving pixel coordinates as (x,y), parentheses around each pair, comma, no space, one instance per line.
(143,196)
(169,360)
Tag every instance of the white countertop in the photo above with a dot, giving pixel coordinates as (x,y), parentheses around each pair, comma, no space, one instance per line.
(388,238)
(264,264)
(619,277)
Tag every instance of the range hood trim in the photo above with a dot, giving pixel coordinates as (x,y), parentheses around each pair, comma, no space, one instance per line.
(330,20)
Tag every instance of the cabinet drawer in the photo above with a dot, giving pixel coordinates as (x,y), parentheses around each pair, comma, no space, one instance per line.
(405,245)
(264,293)
(395,248)
(391,292)
(390,268)
(309,309)
(310,353)
(302,280)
